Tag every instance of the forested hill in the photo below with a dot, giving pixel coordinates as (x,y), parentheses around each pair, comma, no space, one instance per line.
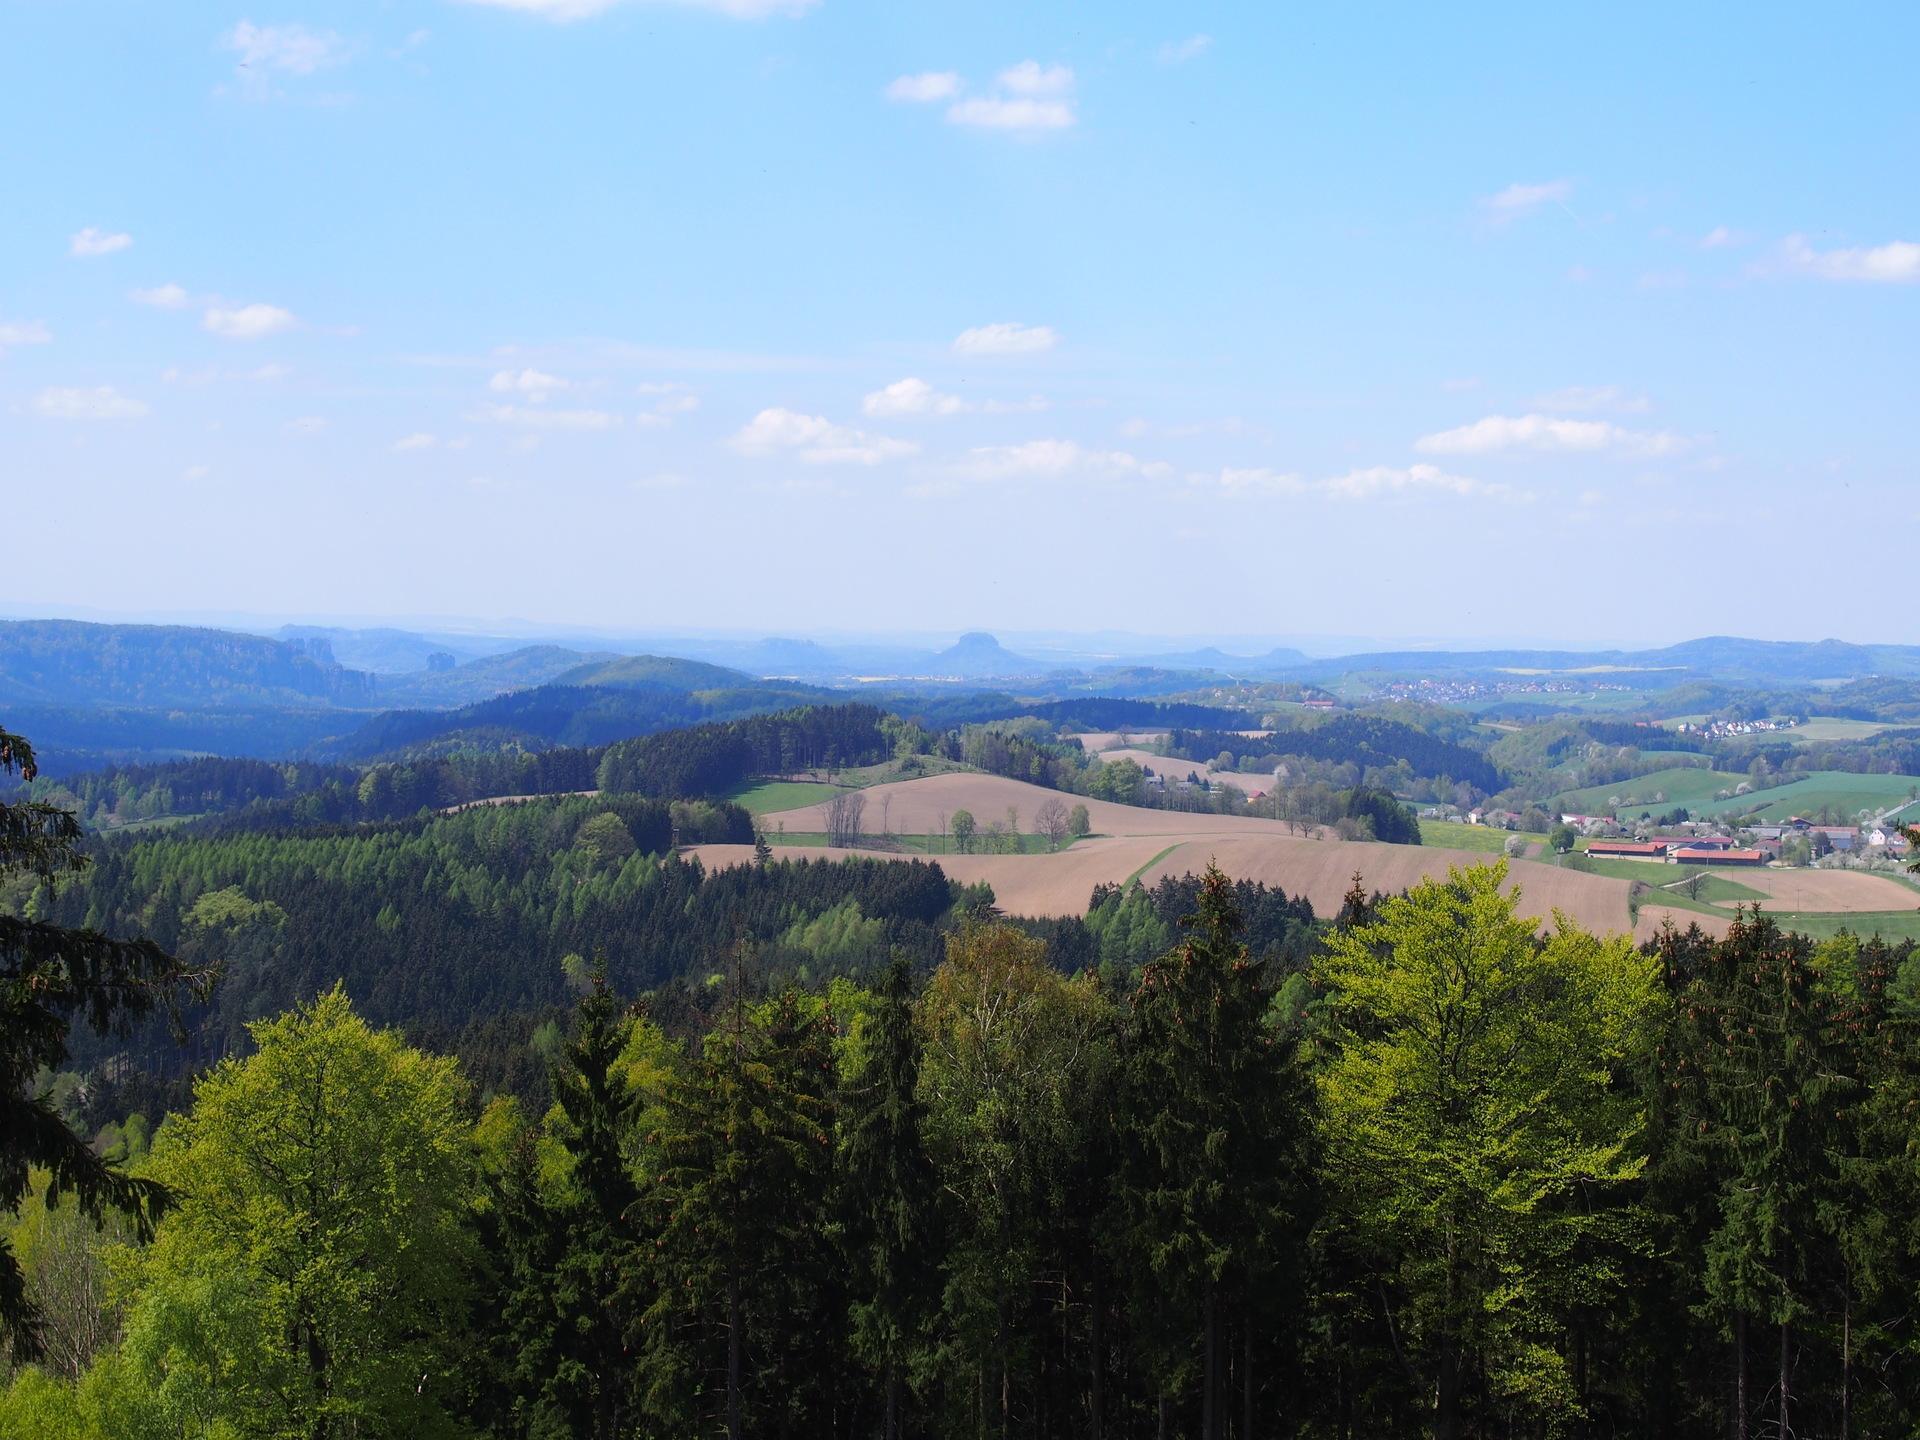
(592,714)
(1368,741)
(69,662)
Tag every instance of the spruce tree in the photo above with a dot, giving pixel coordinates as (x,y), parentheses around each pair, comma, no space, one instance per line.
(892,1219)
(739,1196)
(1772,1087)
(1216,1179)
(50,976)
(571,1245)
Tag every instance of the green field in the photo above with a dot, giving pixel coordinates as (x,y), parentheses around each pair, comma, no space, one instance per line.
(1718,890)
(1831,727)
(762,797)
(1845,793)
(1446,834)
(1892,925)
(1648,872)
(1693,788)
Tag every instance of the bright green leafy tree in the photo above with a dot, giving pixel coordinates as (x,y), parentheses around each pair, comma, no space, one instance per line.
(1470,1101)
(312,1280)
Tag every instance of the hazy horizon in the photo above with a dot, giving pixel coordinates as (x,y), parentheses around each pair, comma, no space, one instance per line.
(1121,642)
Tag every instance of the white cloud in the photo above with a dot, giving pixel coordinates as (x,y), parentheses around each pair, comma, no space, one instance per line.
(1595,397)
(1897,262)
(995,113)
(534,384)
(91,242)
(1522,199)
(1254,481)
(419,440)
(290,49)
(1381,480)
(816,440)
(1547,433)
(911,397)
(927,86)
(1178,52)
(246,322)
(23,332)
(1052,459)
(564,11)
(305,425)
(1005,338)
(1370,483)
(1720,237)
(539,418)
(162,297)
(103,402)
(1030,77)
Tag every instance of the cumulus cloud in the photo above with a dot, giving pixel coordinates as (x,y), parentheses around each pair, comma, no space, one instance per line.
(1030,77)
(419,440)
(534,384)
(288,49)
(23,332)
(927,86)
(162,297)
(1006,337)
(542,418)
(1719,238)
(102,402)
(1594,397)
(911,397)
(1895,263)
(1523,199)
(815,440)
(565,11)
(1030,97)
(994,112)
(1378,480)
(246,322)
(1052,459)
(1548,433)
(1178,52)
(90,242)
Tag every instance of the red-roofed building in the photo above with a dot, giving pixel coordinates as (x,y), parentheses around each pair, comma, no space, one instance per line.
(1628,849)
(1719,857)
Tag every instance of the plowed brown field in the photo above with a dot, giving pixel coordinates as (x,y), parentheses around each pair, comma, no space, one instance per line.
(1832,891)
(1131,840)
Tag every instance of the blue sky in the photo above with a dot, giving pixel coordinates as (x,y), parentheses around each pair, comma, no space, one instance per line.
(1257,319)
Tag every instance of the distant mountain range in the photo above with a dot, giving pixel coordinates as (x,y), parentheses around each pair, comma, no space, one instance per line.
(98,692)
